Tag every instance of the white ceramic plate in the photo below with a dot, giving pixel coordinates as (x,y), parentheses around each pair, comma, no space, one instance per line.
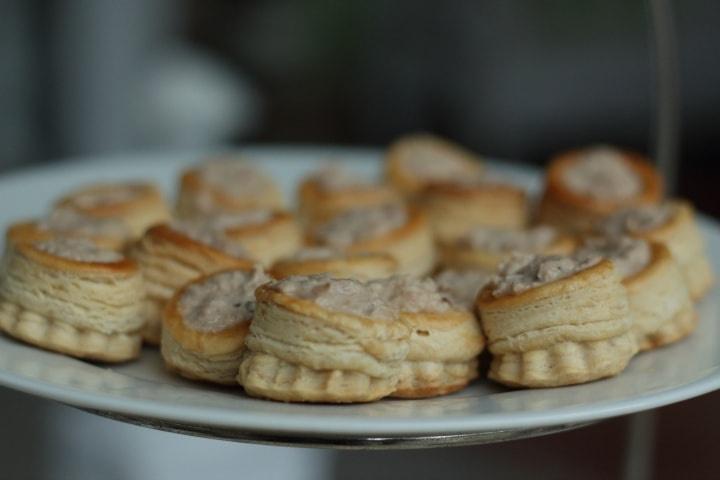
(143,391)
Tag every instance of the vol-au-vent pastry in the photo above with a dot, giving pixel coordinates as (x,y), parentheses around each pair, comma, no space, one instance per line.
(659,299)
(334,190)
(335,263)
(319,339)
(485,248)
(585,186)
(69,296)
(414,161)
(226,185)
(392,229)
(266,235)
(138,205)
(205,324)
(673,225)
(445,339)
(454,207)
(556,320)
(110,233)
(460,287)
(171,255)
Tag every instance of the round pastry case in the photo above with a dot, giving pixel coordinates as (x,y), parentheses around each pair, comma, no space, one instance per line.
(144,393)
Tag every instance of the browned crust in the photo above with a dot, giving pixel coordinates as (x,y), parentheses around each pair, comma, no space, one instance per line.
(205,343)
(146,194)
(164,234)
(340,320)
(317,204)
(125,266)
(557,191)
(350,263)
(486,300)
(29,231)
(407,182)
(277,219)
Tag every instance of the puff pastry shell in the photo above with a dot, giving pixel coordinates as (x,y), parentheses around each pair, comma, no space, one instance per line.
(298,351)
(85,309)
(138,205)
(573,330)
(568,210)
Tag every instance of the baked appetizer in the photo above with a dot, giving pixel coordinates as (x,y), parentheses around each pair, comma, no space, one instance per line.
(170,255)
(673,225)
(109,233)
(266,235)
(312,261)
(333,190)
(138,205)
(318,339)
(461,287)
(69,296)
(556,320)
(226,186)
(445,341)
(456,207)
(659,299)
(392,229)
(486,248)
(205,324)
(414,161)
(585,186)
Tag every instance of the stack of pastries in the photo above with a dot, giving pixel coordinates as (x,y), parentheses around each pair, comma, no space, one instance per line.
(370,289)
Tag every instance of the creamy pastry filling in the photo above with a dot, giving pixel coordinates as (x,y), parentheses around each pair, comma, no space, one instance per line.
(221,301)
(637,220)
(361,224)
(77,249)
(438,164)
(335,178)
(603,173)
(378,299)
(215,238)
(629,255)
(523,271)
(106,195)
(460,287)
(65,220)
(234,177)
(498,241)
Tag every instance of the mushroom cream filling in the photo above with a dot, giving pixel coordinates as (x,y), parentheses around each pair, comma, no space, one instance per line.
(377,299)
(221,301)
(630,255)
(637,220)
(77,249)
(361,224)
(523,271)
(603,173)
(460,287)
